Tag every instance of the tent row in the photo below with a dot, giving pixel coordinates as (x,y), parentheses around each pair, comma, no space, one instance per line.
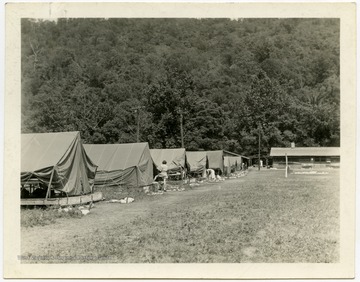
(60,162)
(223,162)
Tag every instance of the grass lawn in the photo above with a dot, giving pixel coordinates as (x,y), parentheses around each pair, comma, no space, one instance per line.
(262,217)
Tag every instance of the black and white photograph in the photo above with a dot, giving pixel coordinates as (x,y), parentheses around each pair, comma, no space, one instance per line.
(171,140)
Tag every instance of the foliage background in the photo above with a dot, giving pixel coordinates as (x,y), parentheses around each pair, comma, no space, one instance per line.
(229,79)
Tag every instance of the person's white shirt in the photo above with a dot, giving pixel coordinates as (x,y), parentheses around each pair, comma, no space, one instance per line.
(211,172)
(163,170)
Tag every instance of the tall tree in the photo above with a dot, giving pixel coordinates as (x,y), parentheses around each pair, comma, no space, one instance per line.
(225,78)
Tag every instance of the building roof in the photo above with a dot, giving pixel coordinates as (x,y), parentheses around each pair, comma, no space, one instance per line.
(305,151)
(228,153)
(231,154)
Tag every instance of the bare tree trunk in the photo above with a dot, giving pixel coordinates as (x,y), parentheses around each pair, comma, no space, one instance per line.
(138,127)
(181,130)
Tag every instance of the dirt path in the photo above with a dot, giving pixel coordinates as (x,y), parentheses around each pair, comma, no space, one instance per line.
(102,217)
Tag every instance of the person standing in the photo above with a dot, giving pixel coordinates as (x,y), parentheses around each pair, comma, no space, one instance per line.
(211,174)
(163,173)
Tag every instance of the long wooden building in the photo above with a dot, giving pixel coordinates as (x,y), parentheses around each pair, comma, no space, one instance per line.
(306,157)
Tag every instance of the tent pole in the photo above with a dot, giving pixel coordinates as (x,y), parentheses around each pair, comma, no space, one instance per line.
(137,111)
(49,186)
(93,185)
(138,126)
(286,165)
(181,130)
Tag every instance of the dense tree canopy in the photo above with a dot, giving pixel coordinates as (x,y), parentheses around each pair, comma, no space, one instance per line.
(225,81)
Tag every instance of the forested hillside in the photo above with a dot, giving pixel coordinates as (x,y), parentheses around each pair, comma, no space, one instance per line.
(227,79)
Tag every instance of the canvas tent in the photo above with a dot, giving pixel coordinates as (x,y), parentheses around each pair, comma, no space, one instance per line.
(232,163)
(57,160)
(216,160)
(196,161)
(232,159)
(127,165)
(245,161)
(175,158)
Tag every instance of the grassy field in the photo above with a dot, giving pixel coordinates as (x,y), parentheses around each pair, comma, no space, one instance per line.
(31,217)
(262,217)
(40,216)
